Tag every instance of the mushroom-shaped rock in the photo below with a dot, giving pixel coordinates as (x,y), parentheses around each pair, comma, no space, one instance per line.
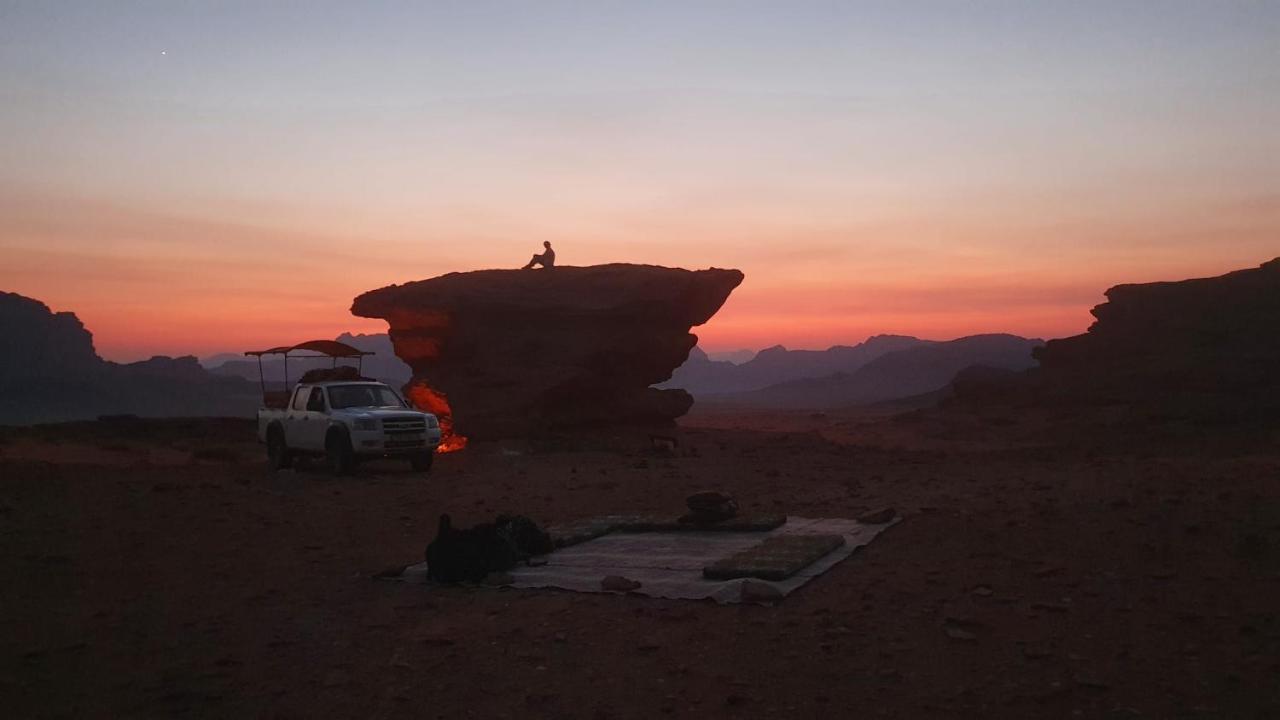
(511,352)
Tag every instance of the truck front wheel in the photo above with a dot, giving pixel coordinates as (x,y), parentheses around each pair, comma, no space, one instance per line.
(278,455)
(337,450)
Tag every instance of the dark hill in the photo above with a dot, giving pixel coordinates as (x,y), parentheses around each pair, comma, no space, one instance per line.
(917,370)
(49,372)
(702,376)
(36,343)
(1202,346)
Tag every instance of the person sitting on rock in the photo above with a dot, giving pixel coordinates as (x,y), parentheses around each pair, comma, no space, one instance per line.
(547,259)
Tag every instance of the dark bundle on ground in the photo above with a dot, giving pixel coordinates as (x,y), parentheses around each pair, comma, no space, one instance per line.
(472,553)
(524,536)
(710,506)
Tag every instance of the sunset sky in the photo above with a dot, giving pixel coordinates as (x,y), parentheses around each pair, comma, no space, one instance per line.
(197,177)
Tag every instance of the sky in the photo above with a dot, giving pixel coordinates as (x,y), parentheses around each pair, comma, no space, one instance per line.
(198,177)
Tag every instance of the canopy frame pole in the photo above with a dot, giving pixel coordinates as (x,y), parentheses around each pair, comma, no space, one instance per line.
(262,379)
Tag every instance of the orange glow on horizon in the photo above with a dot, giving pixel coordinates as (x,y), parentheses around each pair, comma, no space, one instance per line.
(149,283)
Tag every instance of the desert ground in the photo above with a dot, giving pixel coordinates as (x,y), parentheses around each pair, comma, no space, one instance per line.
(1086,564)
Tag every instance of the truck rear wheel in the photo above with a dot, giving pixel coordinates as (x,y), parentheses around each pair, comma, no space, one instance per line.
(422,461)
(278,455)
(337,450)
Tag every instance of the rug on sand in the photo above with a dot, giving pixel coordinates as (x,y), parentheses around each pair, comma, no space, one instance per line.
(671,564)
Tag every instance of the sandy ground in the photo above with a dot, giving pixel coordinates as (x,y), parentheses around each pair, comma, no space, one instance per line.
(1047,567)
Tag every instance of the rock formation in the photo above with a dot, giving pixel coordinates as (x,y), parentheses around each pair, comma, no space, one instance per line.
(511,352)
(37,343)
(49,372)
(1212,337)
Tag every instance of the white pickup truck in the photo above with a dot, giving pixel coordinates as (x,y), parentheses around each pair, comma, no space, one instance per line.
(347,421)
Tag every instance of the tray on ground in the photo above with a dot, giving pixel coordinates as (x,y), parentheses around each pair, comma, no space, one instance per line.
(777,557)
(573,533)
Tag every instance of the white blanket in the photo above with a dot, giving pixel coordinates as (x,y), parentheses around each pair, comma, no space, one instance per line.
(669,564)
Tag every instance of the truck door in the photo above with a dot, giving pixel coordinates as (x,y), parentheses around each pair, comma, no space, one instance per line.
(297,420)
(317,422)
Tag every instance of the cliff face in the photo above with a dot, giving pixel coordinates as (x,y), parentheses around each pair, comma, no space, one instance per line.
(37,343)
(507,352)
(1209,337)
(49,372)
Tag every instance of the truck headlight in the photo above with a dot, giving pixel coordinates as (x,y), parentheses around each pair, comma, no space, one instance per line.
(432,422)
(367,424)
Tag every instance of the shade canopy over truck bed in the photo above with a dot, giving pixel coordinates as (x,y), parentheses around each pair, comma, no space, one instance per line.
(311,348)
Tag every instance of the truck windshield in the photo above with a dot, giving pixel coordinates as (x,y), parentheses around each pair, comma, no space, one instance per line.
(355,396)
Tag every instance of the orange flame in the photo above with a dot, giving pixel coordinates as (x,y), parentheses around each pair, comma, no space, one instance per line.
(437,403)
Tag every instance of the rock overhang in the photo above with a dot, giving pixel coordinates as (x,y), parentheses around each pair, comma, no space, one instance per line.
(511,352)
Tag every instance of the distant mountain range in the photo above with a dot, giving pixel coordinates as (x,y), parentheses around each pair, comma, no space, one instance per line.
(885,367)
(701,375)
(49,371)
(737,357)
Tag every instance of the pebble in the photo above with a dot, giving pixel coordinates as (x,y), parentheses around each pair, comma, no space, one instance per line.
(878,516)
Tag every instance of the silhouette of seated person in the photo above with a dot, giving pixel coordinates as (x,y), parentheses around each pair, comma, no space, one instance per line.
(547,259)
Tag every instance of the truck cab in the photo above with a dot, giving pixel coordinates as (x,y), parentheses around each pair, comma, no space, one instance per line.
(346,421)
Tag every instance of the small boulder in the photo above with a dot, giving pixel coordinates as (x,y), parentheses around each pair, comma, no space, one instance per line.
(710,506)
(392,573)
(617,583)
(878,517)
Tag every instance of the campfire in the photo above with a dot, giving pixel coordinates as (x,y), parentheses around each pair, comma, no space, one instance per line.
(435,402)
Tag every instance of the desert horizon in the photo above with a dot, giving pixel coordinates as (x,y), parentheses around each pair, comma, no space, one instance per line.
(723,336)
(729,351)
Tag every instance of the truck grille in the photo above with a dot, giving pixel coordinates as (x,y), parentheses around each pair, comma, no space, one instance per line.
(410,425)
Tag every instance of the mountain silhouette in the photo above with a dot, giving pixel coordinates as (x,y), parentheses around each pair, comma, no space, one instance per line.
(922,368)
(771,366)
(50,371)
